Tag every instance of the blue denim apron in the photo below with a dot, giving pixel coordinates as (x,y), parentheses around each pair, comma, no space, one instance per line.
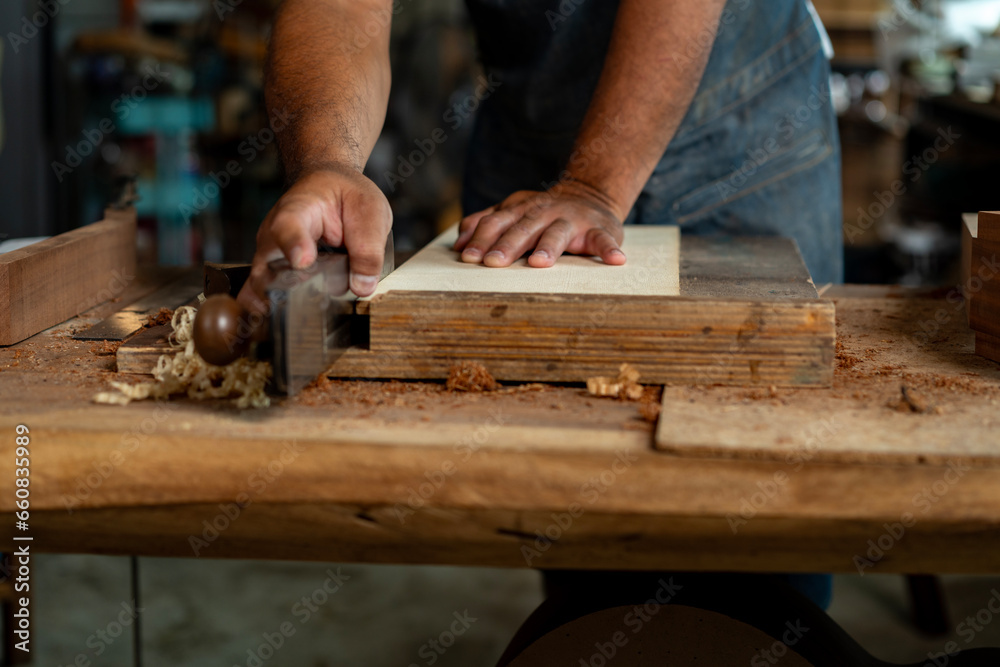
(756,154)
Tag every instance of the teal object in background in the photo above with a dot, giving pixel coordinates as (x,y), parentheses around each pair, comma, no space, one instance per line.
(179,192)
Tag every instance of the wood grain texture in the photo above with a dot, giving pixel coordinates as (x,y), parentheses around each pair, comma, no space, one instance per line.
(884,344)
(989,226)
(53,280)
(747,313)
(145,478)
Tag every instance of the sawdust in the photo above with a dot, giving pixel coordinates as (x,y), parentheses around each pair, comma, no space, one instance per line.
(162,316)
(470,376)
(104,348)
(184,372)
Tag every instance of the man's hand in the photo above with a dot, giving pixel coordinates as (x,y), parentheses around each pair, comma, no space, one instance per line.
(570,217)
(337,205)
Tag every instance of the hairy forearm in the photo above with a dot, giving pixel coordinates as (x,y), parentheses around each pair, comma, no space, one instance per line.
(331,78)
(655,62)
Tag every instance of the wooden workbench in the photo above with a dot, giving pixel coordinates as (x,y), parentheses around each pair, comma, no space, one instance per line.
(349,460)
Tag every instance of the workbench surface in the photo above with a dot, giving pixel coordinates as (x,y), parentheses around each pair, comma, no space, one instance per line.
(532,476)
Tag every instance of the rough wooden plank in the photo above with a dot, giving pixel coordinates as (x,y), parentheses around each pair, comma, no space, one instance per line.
(570,338)
(369,447)
(53,280)
(883,345)
(747,313)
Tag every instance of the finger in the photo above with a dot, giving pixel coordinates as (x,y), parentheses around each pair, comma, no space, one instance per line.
(295,229)
(367,221)
(552,244)
(601,243)
(518,239)
(487,232)
(253,295)
(468,225)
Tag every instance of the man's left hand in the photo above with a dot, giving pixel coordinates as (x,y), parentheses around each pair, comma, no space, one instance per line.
(569,218)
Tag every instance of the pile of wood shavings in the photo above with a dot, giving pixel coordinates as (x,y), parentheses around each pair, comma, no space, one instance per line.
(184,372)
(626,386)
(470,376)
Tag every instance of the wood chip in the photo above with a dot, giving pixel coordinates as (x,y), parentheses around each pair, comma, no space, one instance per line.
(625,386)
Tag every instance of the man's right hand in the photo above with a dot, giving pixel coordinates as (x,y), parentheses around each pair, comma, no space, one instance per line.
(335,204)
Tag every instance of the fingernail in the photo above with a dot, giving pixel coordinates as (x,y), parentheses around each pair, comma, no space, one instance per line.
(295,257)
(494,254)
(471,253)
(616,251)
(363,285)
(541,254)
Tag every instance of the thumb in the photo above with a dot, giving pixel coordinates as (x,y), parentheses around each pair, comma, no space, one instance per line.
(367,222)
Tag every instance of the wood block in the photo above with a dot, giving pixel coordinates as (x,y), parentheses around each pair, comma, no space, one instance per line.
(739,311)
(52,280)
(988,346)
(983,286)
(989,226)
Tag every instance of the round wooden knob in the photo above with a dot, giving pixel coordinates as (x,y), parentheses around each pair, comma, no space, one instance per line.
(221,330)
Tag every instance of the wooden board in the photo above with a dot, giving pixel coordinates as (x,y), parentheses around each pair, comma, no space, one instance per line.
(143,478)
(981,269)
(52,280)
(883,345)
(744,312)
(653,254)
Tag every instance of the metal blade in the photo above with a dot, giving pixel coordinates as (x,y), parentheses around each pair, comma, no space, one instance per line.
(311,311)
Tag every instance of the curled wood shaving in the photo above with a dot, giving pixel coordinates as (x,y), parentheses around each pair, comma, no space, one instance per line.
(184,372)
(626,386)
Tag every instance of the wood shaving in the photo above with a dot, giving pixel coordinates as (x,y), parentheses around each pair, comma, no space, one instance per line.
(470,376)
(162,316)
(626,386)
(184,372)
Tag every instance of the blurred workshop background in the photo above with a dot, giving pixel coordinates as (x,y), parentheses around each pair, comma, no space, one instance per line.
(167,92)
